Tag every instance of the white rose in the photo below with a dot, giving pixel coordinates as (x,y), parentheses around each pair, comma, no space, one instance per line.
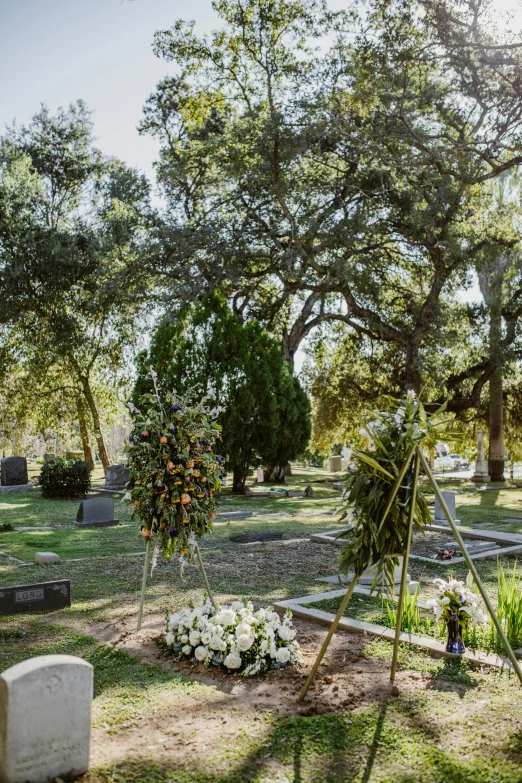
(283,655)
(285,633)
(206,636)
(261,614)
(201,653)
(273,652)
(226,617)
(169,638)
(237,606)
(245,641)
(233,660)
(264,647)
(243,628)
(174,621)
(195,638)
(187,649)
(184,639)
(216,643)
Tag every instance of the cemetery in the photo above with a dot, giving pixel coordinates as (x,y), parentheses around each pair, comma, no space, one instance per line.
(260,384)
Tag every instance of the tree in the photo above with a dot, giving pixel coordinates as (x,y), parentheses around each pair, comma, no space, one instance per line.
(264,412)
(72,232)
(345,187)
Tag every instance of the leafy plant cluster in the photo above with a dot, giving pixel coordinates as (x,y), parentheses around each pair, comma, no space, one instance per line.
(174,471)
(65,478)
(371,477)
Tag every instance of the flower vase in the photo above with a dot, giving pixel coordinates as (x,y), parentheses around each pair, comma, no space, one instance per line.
(455,643)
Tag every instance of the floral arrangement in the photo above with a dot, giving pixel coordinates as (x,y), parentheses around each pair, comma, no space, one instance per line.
(174,471)
(234,637)
(457,598)
(371,477)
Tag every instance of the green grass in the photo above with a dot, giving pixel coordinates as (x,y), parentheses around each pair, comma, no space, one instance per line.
(463,727)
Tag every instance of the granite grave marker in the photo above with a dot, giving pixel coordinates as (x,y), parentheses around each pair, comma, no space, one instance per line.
(36,597)
(97,512)
(45,719)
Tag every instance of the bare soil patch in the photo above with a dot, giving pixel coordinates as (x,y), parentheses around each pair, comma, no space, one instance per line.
(346,680)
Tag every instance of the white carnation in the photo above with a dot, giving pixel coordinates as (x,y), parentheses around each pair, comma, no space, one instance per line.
(169,638)
(201,653)
(283,655)
(285,633)
(245,641)
(233,660)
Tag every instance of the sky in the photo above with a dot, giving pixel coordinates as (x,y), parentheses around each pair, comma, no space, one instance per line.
(56,51)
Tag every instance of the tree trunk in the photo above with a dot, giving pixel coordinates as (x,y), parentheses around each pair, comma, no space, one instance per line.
(96,421)
(87,453)
(238,482)
(496,406)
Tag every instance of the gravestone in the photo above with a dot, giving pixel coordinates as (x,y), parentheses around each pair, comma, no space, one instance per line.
(117,476)
(336,463)
(98,512)
(449,499)
(48,457)
(260,475)
(35,598)
(13,472)
(45,719)
(481,474)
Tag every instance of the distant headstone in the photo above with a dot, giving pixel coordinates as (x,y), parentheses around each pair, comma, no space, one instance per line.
(35,598)
(260,475)
(45,719)
(98,512)
(336,463)
(13,471)
(49,457)
(309,493)
(449,499)
(117,476)
(481,474)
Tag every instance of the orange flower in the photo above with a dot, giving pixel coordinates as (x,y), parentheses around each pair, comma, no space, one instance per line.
(163,439)
(183,551)
(136,502)
(145,532)
(197,473)
(170,465)
(185,498)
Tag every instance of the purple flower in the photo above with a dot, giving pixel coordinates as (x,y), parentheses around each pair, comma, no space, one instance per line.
(160,487)
(173,532)
(174,408)
(177,460)
(155,511)
(173,429)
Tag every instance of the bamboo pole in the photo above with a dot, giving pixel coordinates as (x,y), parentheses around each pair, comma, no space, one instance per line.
(470,565)
(331,632)
(144,581)
(406,557)
(351,587)
(204,573)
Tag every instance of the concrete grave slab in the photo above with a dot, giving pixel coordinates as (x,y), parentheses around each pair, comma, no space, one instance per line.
(17,488)
(45,719)
(46,558)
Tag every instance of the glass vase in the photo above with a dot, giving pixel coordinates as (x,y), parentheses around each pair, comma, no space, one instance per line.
(455,643)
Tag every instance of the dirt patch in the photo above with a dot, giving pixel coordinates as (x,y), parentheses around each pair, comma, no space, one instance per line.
(346,680)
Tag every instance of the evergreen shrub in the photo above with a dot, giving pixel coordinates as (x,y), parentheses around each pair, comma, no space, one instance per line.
(65,478)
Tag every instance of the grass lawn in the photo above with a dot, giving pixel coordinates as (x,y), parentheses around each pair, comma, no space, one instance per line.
(155,722)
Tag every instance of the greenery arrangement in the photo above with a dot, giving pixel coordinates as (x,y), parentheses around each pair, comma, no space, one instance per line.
(65,478)
(369,484)
(174,471)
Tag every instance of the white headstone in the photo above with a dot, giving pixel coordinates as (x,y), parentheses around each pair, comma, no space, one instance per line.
(45,719)
(449,499)
(260,475)
(481,474)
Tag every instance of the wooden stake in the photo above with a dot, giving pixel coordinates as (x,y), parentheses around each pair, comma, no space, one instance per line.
(331,632)
(204,573)
(471,565)
(144,581)
(405,559)
(351,587)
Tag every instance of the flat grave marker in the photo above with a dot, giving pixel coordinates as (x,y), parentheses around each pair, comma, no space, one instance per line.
(45,719)
(36,597)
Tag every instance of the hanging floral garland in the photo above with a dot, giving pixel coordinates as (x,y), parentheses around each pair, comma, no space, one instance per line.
(369,484)
(174,471)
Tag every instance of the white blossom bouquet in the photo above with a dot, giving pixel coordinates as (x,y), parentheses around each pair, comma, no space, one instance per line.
(457,598)
(235,637)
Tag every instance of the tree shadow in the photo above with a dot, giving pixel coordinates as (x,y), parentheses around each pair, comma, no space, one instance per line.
(455,677)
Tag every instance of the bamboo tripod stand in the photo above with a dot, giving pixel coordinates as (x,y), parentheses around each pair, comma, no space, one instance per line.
(144,580)
(415,453)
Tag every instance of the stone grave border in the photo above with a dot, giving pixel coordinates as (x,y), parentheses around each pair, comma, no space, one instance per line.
(515,539)
(299,607)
